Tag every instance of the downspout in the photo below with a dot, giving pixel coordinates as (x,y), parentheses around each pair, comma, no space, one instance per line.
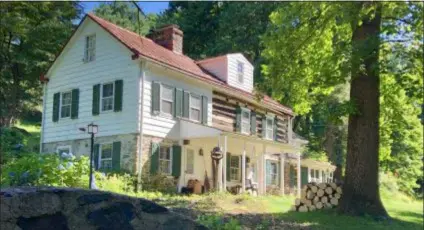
(43,116)
(140,139)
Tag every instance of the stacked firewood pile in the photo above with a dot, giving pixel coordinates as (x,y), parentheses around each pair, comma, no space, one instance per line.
(318,196)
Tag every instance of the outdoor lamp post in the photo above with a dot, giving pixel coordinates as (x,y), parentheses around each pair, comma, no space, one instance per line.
(92,129)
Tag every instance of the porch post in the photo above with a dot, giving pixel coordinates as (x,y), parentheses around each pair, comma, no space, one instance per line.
(263,170)
(298,175)
(243,168)
(219,179)
(224,165)
(282,173)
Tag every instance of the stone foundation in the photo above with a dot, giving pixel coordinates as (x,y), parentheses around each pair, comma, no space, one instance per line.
(82,147)
(147,151)
(67,208)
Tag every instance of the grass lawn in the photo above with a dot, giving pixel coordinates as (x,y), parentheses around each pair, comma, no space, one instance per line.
(33,138)
(272,212)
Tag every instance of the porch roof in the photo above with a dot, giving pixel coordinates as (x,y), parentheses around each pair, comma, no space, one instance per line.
(185,129)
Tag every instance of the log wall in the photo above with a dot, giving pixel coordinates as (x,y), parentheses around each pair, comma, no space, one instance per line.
(224,116)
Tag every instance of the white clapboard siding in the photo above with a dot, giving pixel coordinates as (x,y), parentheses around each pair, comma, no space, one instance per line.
(113,62)
(247,84)
(160,126)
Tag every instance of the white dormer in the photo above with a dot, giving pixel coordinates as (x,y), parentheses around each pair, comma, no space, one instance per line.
(233,69)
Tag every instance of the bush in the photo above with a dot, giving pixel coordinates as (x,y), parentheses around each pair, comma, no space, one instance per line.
(115,182)
(218,222)
(46,170)
(159,183)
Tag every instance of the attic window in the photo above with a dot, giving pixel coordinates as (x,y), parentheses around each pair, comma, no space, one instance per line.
(90,48)
(240,71)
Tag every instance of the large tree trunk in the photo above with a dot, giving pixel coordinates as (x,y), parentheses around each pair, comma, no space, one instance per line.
(361,191)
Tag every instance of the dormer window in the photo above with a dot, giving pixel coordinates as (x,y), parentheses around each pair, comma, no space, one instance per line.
(240,72)
(90,48)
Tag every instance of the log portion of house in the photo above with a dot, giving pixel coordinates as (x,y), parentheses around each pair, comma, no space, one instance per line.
(224,116)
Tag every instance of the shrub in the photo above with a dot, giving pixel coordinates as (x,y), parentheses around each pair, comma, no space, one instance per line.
(159,183)
(46,169)
(218,222)
(115,182)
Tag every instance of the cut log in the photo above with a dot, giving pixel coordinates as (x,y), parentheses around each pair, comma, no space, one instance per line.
(334,201)
(310,195)
(316,200)
(293,208)
(314,189)
(329,190)
(328,205)
(333,185)
(297,202)
(303,209)
(322,185)
(312,208)
(339,190)
(324,199)
(319,205)
(302,194)
(320,192)
(337,195)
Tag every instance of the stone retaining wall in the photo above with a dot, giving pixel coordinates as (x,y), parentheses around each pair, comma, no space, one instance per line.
(69,208)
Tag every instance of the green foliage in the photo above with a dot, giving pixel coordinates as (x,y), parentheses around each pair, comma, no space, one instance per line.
(32,34)
(16,142)
(126,15)
(217,222)
(158,183)
(46,169)
(119,183)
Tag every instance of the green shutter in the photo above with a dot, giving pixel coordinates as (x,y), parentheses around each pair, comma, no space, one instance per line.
(228,166)
(186,104)
(204,110)
(173,104)
(264,126)
(275,128)
(96,156)
(253,123)
(155,97)
(268,172)
(238,118)
(119,89)
(176,160)
(154,158)
(304,175)
(116,156)
(178,103)
(75,103)
(96,99)
(56,104)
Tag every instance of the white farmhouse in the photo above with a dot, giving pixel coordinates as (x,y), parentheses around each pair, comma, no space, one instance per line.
(159,111)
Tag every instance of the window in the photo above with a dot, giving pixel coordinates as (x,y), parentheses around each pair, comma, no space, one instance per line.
(190,161)
(107,96)
(106,156)
(272,171)
(195,107)
(245,121)
(234,168)
(65,104)
(63,149)
(317,175)
(240,72)
(167,99)
(90,48)
(269,128)
(165,160)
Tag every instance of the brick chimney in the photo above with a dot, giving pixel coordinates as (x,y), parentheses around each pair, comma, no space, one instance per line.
(169,36)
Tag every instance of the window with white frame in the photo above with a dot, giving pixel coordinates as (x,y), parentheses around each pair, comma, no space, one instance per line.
(240,72)
(272,177)
(245,121)
(269,128)
(165,159)
(65,104)
(105,156)
(190,161)
(167,99)
(234,168)
(90,48)
(63,149)
(107,96)
(195,107)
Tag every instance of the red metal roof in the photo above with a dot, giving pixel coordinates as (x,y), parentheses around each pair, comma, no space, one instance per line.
(143,46)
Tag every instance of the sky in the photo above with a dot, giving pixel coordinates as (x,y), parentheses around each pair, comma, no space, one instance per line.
(147,7)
